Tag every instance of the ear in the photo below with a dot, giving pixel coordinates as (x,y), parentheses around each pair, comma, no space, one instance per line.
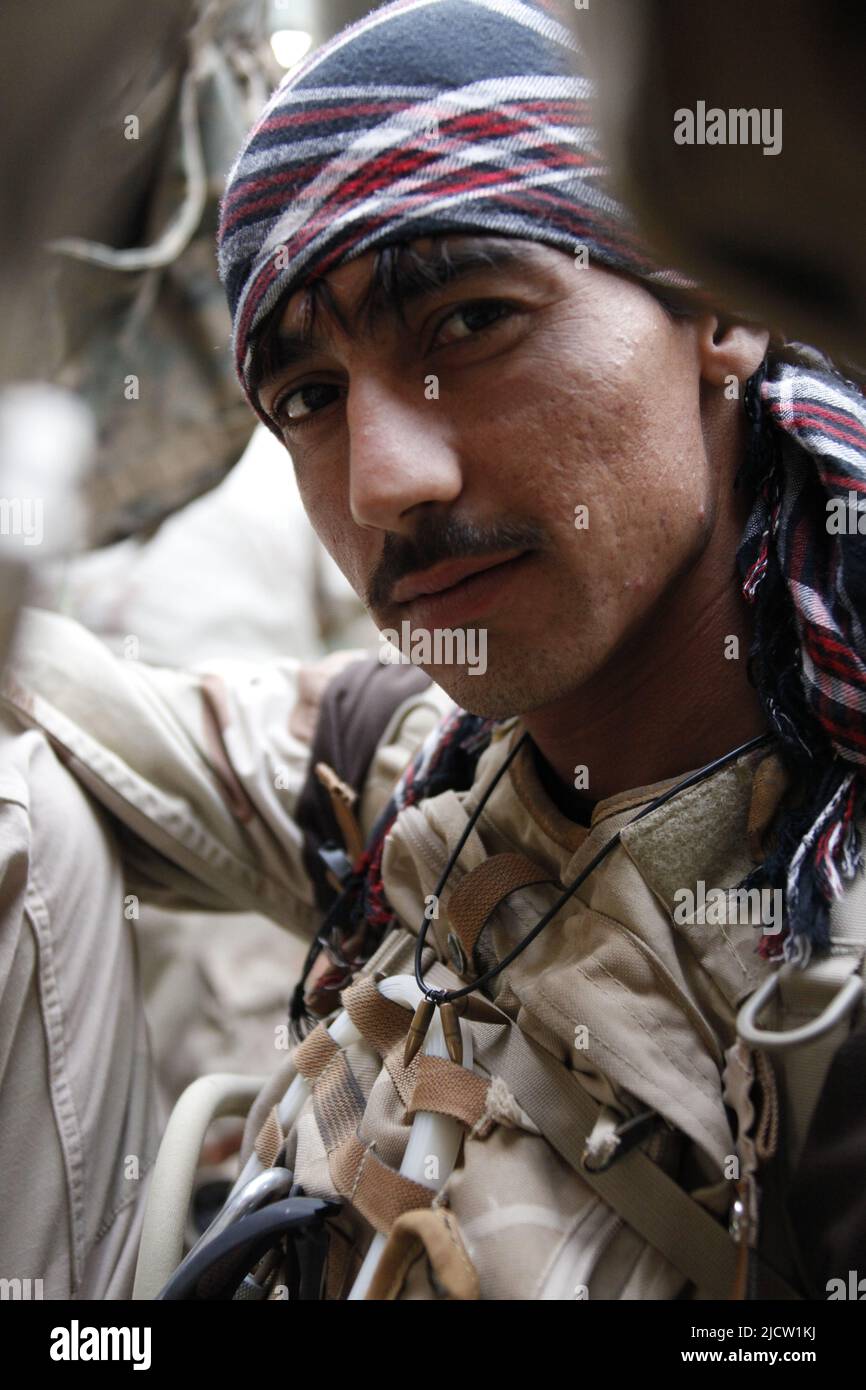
(727,348)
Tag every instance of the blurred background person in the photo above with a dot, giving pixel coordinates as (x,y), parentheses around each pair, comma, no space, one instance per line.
(171,522)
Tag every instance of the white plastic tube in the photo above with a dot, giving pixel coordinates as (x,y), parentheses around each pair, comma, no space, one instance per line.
(434,1140)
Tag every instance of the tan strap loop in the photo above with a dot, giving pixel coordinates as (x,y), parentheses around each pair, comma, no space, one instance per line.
(269,1139)
(443,1088)
(379,1193)
(341,1263)
(343,799)
(483,889)
(380,1021)
(315,1052)
(338,1103)
(437,1234)
(403,1078)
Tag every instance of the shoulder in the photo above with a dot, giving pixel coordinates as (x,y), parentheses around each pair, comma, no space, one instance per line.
(370,720)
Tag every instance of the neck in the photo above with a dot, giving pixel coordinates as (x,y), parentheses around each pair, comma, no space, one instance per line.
(667,702)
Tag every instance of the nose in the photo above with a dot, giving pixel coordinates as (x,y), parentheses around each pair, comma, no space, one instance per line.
(400,454)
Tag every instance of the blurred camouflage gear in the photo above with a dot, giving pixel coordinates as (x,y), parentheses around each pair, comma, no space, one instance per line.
(108,269)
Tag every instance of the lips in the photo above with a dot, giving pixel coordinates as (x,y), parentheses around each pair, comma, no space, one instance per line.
(448,574)
(457,592)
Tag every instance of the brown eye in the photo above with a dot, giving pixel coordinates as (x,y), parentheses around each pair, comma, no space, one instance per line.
(469,319)
(300,405)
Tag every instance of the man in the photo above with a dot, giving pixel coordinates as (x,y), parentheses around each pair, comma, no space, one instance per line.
(507,421)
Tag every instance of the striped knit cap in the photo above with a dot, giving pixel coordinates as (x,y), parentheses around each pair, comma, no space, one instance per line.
(426,117)
(471,116)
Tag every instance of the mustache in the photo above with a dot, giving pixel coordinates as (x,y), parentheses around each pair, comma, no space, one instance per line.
(444,538)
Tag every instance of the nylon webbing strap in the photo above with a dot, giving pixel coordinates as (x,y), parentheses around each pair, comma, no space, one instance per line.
(381,1022)
(482,890)
(436,1233)
(649,1201)
(269,1139)
(432,1084)
(313,1054)
(444,1088)
(652,1204)
(378,1192)
(384,1025)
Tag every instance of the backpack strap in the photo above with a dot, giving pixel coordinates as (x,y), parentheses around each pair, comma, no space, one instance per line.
(649,1201)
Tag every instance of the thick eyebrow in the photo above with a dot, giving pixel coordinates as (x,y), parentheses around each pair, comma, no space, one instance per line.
(392,287)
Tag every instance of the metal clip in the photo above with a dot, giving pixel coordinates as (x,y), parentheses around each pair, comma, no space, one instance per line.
(848,995)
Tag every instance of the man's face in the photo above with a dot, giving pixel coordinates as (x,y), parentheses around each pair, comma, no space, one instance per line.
(521,452)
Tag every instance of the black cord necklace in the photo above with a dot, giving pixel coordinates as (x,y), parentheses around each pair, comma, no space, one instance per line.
(444,999)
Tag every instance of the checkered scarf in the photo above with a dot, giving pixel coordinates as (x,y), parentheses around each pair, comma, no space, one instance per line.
(471,116)
(803,543)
